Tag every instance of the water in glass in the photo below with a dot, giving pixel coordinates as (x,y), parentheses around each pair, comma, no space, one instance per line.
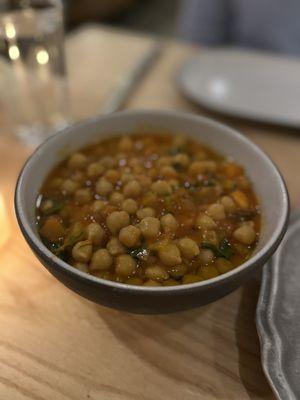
(32,69)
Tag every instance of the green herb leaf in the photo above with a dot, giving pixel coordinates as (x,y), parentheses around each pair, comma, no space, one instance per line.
(73,239)
(224,250)
(176,150)
(64,255)
(243,215)
(209,182)
(60,249)
(140,253)
(57,206)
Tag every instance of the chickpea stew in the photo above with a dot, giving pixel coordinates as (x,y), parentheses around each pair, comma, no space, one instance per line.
(152,210)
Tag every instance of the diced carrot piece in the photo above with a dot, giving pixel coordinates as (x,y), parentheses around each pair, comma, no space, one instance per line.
(52,229)
(232,170)
(240,198)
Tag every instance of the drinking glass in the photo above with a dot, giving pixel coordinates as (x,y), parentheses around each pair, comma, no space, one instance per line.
(33,88)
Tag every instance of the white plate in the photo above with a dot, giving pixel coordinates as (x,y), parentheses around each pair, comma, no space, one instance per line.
(246,84)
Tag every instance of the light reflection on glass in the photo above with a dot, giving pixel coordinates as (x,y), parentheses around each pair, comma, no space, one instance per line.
(10,30)
(42,57)
(13,52)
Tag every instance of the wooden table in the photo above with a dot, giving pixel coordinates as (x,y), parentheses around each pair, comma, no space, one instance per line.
(56,345)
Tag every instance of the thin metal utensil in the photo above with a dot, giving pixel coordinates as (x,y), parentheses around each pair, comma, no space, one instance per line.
(129,82)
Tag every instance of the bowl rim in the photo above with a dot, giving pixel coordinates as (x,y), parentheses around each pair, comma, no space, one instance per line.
(37,245)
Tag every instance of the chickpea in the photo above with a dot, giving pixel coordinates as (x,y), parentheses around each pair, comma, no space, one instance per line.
(98,206)
(157,273)
(188,248)
(168,172)
(144,181)
(134,281)
(130,236)
(191,278)
(94,170)
(133,162)
(106,274)
(162,188)
(206,256)
(169,223)
(181,160)
(170,282)
(137,169)
(83,196)
(125,144)
(164,160)
(116,198)
(200,167)
(150,282)
(77,161)
(145,212)
(101,260)
(245,234)
(169,254)
(216,211)
(240,199)
(153,173)
(149,227)
(205,222)
(228,203)
(177,271)
(210,237)
(109,209)
(130,206)
(77,230)
(117,220)
(81,267)
(125,265)
(46,206)
(132,189)
(126,177)
(174,183)
(82,251)
(103,187)
(223,265)
(95,233)
(112,175)
(69,186)
(149,199)
(78,177)
(114,247)
(209,272)
(107,162)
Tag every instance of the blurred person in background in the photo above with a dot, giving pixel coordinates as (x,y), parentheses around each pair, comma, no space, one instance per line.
(272,25)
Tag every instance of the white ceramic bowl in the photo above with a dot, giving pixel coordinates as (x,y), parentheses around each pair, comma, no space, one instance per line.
(267,181)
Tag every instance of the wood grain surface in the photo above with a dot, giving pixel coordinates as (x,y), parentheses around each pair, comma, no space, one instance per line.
(55,345)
